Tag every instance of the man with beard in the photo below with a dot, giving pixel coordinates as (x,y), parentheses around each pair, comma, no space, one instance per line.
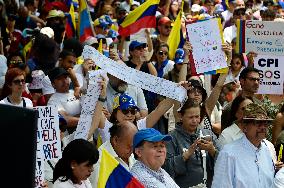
(249,80)
(247,161)
(117,86)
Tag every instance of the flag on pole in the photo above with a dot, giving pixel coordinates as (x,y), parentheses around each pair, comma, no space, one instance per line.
(70,27)
(85,24)
(176,39)
(141,17)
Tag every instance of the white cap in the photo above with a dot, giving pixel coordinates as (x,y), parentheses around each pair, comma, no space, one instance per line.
(135,3)
(37,76)
(47,31)
(195,8)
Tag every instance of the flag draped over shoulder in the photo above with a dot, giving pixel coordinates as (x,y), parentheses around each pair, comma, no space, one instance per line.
(114,175)
(85,24)
(70,27)
(176,39)
(141,17)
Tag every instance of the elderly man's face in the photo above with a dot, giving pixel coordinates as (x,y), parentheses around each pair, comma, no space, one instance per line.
(256,130)
(152,154)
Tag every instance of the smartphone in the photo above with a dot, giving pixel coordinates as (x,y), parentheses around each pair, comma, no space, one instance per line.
(206,137)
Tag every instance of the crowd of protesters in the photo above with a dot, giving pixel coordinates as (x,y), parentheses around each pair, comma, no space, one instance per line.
(224,129)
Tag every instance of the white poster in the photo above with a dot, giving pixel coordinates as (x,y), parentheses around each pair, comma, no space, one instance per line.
(88,107)
(49,133)
(264,37)
(205,38)
(271,74)
(136,77)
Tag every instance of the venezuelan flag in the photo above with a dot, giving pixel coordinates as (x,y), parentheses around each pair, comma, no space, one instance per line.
(70,27)
(240,45)
(114,175)
(176,39)
(225,4)
(141,17)
(85,26)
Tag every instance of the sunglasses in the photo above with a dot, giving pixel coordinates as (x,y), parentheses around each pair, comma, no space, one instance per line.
(131,110)
(168,27)
(195,90)
(162,53)
(18,82)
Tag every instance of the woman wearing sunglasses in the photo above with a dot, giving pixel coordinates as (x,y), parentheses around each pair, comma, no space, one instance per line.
(125,109)
(161,62)
(13,88)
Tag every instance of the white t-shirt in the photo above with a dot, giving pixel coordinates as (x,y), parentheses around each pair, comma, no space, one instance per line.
(105,135)
(69,184)
(66,102)
(167,68)
(29,103)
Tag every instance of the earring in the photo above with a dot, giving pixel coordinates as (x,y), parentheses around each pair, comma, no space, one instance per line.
(72,167)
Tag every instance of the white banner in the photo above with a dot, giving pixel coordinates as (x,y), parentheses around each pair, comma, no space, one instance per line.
(264,37)
(271,74)
(206,41)
(88,107)
(135,77)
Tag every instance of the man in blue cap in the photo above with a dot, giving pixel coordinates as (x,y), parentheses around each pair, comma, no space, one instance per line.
(150,152)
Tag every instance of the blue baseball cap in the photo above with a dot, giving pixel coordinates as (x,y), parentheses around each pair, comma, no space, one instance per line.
(124,102)
(179,56)
(134,44)
(150,135)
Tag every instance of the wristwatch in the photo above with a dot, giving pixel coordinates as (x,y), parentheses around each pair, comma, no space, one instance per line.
(102,99)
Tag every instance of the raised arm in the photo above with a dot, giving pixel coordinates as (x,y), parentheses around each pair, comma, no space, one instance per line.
(214,96)
(183,71)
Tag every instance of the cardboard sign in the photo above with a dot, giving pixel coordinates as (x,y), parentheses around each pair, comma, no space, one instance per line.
(49,133)
(206,41)
(271,74)
(262,37)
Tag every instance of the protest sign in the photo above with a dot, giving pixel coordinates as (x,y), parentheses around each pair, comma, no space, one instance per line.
(49,133)
(88,107)
(39,170)
(206,41)
(271,74)
(261,37)
(136,77)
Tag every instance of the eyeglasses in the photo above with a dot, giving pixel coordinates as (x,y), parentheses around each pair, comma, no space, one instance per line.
(16,62)
(257,122)
(162,53)
(18,82)
(131,110)
(253,79)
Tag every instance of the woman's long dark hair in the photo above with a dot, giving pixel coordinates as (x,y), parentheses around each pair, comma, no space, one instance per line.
(235,106)
(78,150)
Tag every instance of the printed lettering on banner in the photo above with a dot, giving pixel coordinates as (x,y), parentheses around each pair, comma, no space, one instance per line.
(271,74)
(264,37)
(136,77)
(205,38)
(89,104)
(39,170)
(48,132)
